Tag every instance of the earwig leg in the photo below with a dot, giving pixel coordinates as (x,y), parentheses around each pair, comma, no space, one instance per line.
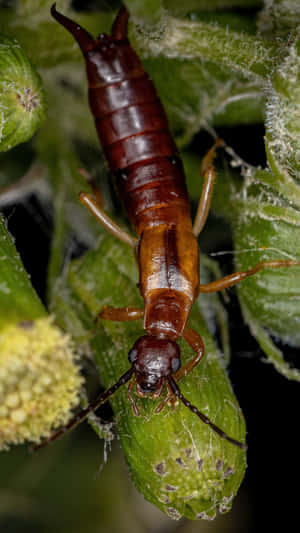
(205,201)
(106,221)
(135,409)
(207,170)
(120,314)
(92,183)
(232,279)
(207,160)
(196,343)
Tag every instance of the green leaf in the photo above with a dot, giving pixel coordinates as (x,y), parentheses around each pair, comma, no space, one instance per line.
(265,227)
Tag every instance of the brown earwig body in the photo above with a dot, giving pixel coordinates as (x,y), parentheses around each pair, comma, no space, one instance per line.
(134,134)
(133,130)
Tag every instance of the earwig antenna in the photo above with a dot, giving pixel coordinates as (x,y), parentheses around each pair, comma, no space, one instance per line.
(83,37)
(202,416)
(120,25)
(93,406)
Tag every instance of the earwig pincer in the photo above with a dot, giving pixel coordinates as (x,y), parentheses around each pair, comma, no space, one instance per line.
(141,153)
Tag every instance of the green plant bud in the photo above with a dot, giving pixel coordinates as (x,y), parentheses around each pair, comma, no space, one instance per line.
(277,290)
(39,381)
(22,98)
(176,461)
(270,299)
(264,229)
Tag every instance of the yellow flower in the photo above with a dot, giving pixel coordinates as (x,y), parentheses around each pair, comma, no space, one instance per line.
(39,381)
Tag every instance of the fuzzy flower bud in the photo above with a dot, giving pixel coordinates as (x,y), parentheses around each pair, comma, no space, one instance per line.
(22,98)
(39,381)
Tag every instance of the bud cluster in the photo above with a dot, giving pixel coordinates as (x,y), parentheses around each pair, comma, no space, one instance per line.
(39,381)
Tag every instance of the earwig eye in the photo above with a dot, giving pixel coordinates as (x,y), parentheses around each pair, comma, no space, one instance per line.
(132,355)
(175,364)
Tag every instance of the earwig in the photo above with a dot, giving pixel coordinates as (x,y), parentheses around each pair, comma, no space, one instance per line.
(135,137)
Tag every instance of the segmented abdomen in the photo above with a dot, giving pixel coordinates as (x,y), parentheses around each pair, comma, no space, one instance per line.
(133,130)
(134,133)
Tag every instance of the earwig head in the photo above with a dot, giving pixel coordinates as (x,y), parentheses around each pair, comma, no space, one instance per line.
(153,360)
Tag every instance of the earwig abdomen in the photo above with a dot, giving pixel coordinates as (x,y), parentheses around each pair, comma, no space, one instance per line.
(134,133)
(133,130)
(132,126)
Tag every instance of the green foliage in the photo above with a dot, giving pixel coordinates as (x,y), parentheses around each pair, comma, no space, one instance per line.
(265,227)
(210,69)
(22,98)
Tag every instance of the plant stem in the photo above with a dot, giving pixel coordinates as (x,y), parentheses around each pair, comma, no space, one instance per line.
(251,56)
